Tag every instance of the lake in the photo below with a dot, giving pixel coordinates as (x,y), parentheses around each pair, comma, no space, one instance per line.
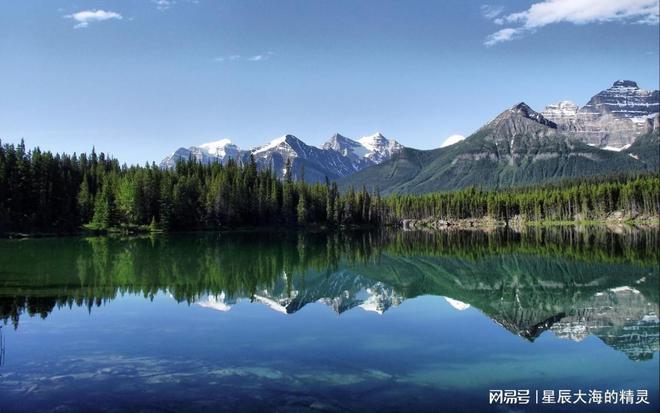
(382,321)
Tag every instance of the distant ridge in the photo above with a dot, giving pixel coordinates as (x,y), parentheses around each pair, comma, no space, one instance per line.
(519,147)
(339,156)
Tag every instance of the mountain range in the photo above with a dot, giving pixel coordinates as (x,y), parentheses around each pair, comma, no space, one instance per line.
(616,131)
(338,157)
(519,147)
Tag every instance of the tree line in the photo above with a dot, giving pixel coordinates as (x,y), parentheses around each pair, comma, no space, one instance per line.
(42,192)
(45,192)
(574,200)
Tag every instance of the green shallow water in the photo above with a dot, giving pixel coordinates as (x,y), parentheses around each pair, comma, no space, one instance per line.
(338,322)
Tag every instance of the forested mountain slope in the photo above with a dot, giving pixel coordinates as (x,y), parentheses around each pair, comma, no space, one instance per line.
(518,148)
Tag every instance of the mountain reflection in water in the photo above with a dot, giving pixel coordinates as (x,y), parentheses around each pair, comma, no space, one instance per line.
(573,282)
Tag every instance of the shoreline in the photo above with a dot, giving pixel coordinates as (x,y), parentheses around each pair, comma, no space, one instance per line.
(517,223)
(146,231)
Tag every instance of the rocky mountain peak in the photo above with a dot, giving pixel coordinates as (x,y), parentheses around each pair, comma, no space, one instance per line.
(375,139)
(623,100)
(343,145)
(378,147)
(283,142)
(220,148)
(625,83)
(612,119)
(337,140)
(523,110)
(289,139)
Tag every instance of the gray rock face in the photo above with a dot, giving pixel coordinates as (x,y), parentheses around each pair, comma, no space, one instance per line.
(517,134)
(338,157)
(520,120)
(612,119)
(562,112)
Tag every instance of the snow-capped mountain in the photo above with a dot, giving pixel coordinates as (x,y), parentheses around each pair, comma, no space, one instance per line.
(379,148)
(308,162)
(221,149)
(625,100)
(612,118)
(217,151)
(366,151)
(348,148)
(338,157)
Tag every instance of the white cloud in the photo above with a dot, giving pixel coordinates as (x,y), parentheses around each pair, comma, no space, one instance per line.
(576,12)
(500,36)
(450,140)
(260,57)
(85,17)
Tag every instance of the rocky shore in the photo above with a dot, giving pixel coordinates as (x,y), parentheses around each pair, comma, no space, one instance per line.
(518,221)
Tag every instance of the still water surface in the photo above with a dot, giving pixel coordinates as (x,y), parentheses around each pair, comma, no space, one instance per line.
(324,322)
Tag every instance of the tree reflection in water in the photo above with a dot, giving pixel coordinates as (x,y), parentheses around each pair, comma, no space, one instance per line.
(573,281)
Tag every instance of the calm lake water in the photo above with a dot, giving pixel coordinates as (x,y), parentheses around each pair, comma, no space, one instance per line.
(319,322)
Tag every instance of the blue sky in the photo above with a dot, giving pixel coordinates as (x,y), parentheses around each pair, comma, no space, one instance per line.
(140,78)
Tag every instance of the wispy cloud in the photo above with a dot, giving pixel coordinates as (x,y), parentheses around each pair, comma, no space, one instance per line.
(236,57)
(503,35)
(490,11)
(85,17)
(573,11)
(163,4)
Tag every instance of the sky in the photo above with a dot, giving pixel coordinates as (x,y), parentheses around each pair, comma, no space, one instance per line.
(139,78)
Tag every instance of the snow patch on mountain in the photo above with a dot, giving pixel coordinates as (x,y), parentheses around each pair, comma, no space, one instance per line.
(616,148)
(216,148)
(561,112)
(274,144)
